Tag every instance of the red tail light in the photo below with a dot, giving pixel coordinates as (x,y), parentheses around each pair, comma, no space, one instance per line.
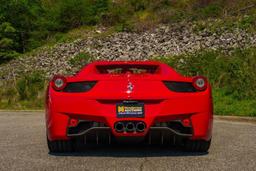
(59,82)
(200,83)
(73,122)
(186,122)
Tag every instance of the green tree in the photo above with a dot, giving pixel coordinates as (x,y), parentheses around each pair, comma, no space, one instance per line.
(7,42)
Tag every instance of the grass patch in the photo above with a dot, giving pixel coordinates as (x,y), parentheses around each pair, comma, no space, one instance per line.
(80,60)
(228,105)
(25,93)
(246,22)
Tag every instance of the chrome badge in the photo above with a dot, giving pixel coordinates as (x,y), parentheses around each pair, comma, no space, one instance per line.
(130,87)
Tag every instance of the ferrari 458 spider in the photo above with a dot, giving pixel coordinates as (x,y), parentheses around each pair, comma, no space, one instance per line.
(141,102)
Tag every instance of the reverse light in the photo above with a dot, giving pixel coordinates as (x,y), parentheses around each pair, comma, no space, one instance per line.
(200,83)
(59,82)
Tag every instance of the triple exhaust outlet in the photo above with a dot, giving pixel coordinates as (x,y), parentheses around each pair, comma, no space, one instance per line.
(130,127)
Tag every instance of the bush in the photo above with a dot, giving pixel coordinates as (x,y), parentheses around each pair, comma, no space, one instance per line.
(26,93)
(212,10)
(7,42)
(227,105)
(8,96)
(29,86)
(80,60)
(71,14)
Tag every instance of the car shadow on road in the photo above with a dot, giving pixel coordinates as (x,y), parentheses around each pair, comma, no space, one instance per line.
(130,151)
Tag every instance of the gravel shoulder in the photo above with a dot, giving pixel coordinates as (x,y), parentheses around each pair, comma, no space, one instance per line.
(23,147)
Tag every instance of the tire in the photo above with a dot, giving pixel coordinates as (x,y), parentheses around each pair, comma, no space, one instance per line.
(60,146)
(197,145)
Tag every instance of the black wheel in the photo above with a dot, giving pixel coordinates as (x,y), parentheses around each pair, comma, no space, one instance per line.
(60,146)
(197,145)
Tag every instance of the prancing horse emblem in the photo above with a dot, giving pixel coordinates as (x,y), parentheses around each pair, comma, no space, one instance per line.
(130,87)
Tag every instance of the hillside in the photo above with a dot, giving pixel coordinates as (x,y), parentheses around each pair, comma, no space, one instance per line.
(212,38)
(29,24)
(102,44)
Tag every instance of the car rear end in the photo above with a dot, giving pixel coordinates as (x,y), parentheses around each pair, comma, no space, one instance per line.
(147,102)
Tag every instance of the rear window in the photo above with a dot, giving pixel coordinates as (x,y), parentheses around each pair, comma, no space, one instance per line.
(122,69)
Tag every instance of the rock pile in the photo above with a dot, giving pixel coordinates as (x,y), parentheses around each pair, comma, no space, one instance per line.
(165,41)
(162,41)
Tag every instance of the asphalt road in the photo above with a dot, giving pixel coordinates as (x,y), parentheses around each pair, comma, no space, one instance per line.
(23,147)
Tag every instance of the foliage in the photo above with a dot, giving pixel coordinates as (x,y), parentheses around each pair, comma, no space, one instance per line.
(80,59)
(72,14)
(7,43)
(28,24)
(29,86)
(25,93)
(227,105)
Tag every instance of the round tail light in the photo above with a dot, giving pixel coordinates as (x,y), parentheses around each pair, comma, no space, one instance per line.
(200,83)
(186,122)
(59,82)
(73,122)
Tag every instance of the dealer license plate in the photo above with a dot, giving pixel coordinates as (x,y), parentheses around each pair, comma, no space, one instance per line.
(130,109)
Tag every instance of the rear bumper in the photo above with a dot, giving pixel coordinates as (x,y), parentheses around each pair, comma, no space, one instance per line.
(201,128)
(197,108)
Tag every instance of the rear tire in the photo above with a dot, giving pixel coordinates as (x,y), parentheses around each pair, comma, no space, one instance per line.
(197,145)
(60,146)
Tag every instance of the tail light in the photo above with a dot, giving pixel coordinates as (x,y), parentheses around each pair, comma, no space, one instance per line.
(77,87)
(73,122)
(200,83)
(180,86)
(59,82)
(186,122)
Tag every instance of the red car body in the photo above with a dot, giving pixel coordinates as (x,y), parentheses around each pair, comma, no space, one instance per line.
(161,97)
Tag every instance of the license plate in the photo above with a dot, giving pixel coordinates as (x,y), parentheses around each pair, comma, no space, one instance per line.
(130,110)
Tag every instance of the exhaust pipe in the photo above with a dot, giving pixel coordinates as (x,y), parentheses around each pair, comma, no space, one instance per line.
(140,127)
(130,127)
(119,127)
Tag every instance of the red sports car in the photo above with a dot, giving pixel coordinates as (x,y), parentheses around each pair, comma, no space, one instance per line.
(142,102)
